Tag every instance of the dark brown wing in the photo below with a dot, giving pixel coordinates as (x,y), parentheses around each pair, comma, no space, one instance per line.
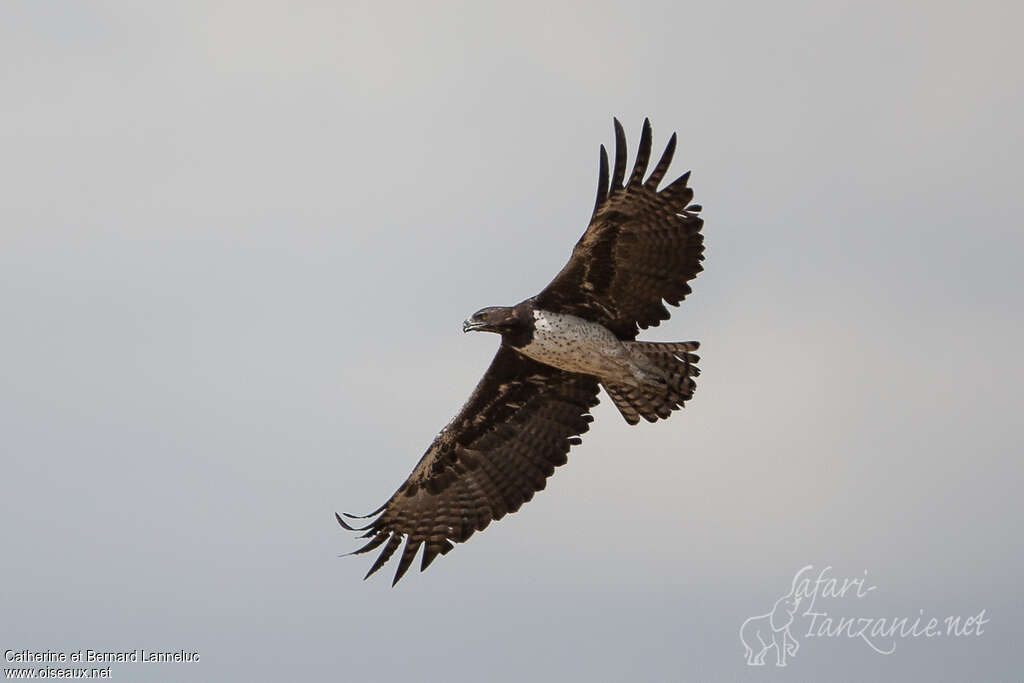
(642,246)
(516,428)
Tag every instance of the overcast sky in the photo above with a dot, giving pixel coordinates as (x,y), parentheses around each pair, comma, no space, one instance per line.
(237,242)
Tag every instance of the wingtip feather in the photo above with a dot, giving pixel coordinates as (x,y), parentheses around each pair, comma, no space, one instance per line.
(408,555)
(620,156)
(662,167)
(385,555)
(602,179)
(643,155)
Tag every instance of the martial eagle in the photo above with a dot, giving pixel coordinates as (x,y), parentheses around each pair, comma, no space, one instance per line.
(642,247)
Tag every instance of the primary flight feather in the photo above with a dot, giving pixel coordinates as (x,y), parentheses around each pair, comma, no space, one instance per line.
(642,247)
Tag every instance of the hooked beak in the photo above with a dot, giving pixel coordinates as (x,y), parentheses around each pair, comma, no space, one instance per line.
(469,325)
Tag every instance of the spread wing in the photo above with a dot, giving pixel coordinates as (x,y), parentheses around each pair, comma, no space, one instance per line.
(516,428)
(642,246)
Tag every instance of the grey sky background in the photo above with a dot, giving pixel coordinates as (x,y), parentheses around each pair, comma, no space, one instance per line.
(237,242)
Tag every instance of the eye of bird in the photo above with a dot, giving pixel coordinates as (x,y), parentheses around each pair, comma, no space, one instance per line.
(483,316)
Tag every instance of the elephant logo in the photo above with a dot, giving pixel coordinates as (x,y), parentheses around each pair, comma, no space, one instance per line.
(766,631)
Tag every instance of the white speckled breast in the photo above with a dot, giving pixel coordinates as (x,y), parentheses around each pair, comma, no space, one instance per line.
(574,344)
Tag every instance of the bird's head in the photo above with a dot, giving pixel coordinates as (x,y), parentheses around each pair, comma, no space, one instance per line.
(498,319)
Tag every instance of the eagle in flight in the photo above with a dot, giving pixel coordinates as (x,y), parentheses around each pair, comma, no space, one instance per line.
(642,247)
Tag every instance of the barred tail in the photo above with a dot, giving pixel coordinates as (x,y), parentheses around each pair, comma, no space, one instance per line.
(679,366)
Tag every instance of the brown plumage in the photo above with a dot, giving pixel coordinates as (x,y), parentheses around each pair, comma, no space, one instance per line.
(499,450)
(642,247)
(680,366)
